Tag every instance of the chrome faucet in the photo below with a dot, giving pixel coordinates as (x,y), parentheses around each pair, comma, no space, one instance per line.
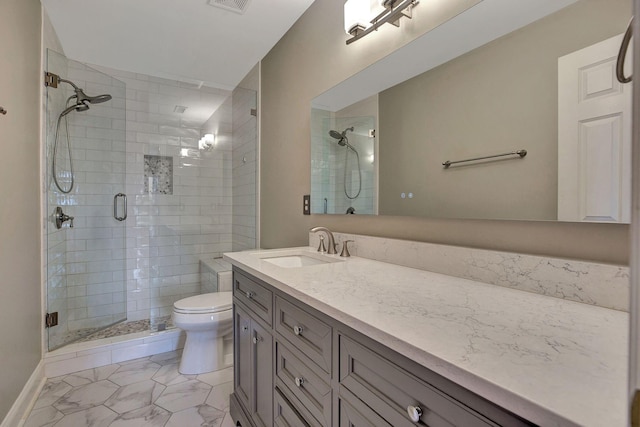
(331,243)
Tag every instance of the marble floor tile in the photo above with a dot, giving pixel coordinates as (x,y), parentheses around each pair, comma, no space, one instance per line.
(219,396)
(147,392)
(134,396)
(167,358)
(51,392)
(90,375)
(201,415)
(169,375)
(85,397)
(228,421)
(149,416)
(43,417)
(185,395)
(130,373)
(217,377)
(98,416)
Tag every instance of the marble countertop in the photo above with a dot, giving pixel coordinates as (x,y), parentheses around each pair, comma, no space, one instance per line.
(552,361)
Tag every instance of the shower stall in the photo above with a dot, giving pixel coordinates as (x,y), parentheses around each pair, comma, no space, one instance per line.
(86,167)
(152,205)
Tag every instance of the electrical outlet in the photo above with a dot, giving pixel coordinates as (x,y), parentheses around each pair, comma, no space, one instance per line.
(306,204)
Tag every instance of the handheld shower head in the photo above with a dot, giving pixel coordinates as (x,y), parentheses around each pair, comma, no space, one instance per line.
(335,134)
(98,99)
(78,106)
(342,137)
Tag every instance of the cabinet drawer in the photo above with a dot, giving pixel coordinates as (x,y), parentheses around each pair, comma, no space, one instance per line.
(309,334)
(256,297)
(390,389)
(285,415)
(354,413)
(311,388)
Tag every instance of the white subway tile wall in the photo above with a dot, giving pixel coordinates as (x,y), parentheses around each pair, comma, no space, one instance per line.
(168,234)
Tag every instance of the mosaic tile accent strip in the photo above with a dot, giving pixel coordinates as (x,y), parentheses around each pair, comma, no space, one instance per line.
(158,174)
(119,329)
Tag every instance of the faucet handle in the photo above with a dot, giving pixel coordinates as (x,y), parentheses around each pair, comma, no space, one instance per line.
(345,248)
(321,247)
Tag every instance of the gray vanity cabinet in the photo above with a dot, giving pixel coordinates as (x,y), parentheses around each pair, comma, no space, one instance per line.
(253,352)
(295,366)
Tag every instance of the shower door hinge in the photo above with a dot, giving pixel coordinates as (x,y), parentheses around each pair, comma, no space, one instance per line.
(51,79)
(254,112)
(51,319)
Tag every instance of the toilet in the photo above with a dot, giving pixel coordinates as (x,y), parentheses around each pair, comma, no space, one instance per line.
(207,320)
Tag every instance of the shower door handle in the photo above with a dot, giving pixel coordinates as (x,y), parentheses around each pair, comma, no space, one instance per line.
(115,206)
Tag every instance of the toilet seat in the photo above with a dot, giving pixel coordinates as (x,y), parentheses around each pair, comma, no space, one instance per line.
(214,302)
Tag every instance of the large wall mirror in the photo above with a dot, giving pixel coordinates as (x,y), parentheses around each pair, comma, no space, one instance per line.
(502,76)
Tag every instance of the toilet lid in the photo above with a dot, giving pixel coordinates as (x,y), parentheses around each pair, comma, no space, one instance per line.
(205,303)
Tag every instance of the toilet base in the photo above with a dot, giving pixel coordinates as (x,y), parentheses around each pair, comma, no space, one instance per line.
(203,352)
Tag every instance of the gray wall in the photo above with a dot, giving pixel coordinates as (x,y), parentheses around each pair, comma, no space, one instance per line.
(20,316)
(311,58)
(498,98)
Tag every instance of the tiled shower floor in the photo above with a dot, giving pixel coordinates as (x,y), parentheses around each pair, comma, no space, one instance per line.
(138,393)
(116,330)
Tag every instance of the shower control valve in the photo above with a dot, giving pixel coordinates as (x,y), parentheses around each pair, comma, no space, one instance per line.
(60,217)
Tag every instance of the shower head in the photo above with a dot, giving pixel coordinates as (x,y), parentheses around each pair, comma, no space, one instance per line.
(342,137)
(82,99)
(335,134)
(98,99)
(79,106)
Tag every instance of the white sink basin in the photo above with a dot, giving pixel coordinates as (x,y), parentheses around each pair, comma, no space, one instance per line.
(295,259)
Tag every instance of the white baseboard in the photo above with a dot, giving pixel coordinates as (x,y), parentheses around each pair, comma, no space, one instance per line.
(21,408)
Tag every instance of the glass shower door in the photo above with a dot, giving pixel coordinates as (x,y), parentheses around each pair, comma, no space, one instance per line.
(86,152)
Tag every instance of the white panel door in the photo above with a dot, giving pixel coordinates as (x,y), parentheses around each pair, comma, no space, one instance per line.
(594,136)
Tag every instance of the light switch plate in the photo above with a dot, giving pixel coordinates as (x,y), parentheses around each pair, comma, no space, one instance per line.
(306,204)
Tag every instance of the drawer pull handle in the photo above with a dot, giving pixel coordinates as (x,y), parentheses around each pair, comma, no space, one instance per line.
(299,381)
(297,330)
(250,294)
(414,413)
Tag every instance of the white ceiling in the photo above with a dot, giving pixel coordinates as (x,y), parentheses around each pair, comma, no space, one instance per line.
(186,40)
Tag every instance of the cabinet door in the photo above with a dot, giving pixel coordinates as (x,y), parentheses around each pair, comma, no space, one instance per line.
(242,356)
(262,408)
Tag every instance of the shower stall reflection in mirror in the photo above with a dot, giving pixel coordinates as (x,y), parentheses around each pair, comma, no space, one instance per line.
(344,166)
(107,277)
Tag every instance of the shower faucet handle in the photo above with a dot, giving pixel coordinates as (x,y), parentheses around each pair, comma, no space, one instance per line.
(60,217)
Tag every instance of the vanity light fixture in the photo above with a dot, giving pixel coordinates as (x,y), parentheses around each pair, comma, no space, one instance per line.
(361,17)
(207,142)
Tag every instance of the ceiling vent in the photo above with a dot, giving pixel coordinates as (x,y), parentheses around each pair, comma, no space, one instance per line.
(237,6)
